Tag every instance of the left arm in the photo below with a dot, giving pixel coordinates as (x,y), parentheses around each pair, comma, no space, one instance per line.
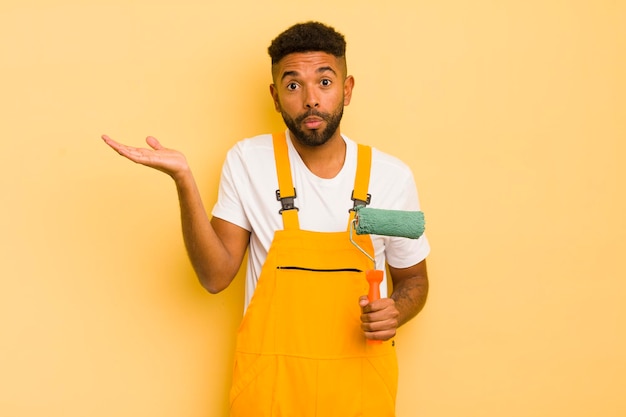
(381,318)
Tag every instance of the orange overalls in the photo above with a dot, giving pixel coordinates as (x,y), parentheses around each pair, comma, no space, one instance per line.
(300,348)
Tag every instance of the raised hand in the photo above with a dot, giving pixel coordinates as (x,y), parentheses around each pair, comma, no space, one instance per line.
(169,161)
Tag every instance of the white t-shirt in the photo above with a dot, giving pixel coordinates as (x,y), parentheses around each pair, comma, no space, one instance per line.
(247,198)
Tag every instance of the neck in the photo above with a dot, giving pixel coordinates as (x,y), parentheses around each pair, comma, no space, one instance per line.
(325,160)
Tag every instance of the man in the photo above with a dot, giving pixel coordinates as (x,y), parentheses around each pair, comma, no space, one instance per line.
(289,198)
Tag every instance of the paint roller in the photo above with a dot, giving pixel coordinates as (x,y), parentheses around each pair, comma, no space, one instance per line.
(371,221)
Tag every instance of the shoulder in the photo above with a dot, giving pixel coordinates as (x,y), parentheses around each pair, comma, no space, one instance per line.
(250,146)
(251,154)
(392,184)
(387,162)
(392,180)
(382,160)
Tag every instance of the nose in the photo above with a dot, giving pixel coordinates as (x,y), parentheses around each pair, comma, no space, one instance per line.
(311,99)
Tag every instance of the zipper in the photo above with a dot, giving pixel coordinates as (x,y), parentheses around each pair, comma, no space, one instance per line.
(300,268)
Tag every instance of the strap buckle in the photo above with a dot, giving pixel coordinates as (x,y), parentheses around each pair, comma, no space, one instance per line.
(288,203)
(358,202)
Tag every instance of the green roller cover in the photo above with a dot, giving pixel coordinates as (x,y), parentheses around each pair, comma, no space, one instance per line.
(371,221)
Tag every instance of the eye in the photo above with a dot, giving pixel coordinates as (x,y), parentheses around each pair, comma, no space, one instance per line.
(292,86)
(326,82)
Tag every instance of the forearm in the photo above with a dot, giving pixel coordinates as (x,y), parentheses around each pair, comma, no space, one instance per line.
(410,291)
(410,298)
(214,255)
(209,257)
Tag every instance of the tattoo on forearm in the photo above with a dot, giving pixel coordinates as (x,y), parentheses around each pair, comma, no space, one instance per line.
(410,297)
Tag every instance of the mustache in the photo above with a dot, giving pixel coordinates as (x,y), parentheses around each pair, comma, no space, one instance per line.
(310,113)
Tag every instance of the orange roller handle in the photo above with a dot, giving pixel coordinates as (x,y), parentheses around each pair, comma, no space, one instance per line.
(374,278)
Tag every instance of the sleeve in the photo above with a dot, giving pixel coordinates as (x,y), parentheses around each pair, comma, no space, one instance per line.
(403,252)
(229,205)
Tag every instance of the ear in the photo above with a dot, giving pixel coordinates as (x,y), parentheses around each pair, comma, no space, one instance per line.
(274,93)
(348,85)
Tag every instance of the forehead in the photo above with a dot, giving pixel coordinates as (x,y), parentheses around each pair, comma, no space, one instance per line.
(305,62)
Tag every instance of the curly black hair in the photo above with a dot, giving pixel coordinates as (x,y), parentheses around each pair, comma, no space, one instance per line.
(307,37)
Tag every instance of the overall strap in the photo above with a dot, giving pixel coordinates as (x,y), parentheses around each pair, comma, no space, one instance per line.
(286,193)
(362,178)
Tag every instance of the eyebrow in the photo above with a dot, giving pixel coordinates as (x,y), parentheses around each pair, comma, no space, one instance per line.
(296,73)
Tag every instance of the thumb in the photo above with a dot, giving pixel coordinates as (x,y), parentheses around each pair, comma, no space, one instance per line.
(363,301)
(154,144)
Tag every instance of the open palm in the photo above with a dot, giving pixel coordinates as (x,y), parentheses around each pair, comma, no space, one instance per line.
(169,161)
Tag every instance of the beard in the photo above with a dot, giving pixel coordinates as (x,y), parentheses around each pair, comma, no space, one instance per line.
(315,137)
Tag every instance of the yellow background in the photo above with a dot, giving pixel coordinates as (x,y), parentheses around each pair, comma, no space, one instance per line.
(511,114)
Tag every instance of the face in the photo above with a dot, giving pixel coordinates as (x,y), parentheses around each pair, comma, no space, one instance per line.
(310,90)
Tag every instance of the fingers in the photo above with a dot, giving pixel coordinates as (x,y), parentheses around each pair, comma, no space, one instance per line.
(134,154)
(113,144)
(379,319)
(380,335)
(380,330)
(377,307)
(108,140)
(151,140)
(169,161)
(154,144)
(139,155)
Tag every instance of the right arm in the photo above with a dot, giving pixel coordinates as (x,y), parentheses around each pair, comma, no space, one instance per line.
(215,248)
